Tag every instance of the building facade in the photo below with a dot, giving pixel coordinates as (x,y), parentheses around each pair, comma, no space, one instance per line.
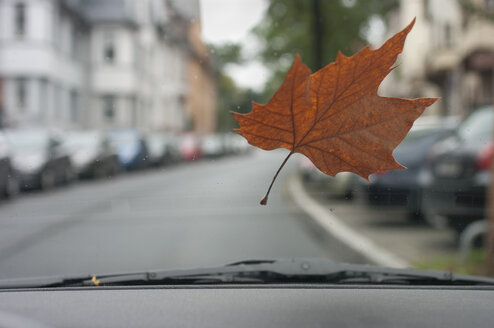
(201,97)
(449,53)
(44,52)
(94,64)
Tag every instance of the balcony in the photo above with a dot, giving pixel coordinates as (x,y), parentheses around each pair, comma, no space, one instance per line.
(441,60)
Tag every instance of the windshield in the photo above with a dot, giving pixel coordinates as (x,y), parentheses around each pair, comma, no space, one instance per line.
(124,138)
(27,140)
(416,135)
(477,128)
(182,187)
(82,141)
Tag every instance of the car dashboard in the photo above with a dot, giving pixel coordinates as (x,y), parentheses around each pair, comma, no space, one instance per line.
(249,306)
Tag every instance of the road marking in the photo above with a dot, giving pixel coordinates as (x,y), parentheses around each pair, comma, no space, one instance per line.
(336,228)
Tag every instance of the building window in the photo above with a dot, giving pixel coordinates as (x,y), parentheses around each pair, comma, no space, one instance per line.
(43,99)
(448,35)
(74,106)
(58,102)
(109,108)
(109,53)
(21,95)
(20,19)
(133,108)
(489,5)
(73,41)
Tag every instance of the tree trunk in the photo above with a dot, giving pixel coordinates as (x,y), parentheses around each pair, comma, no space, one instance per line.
(317,34)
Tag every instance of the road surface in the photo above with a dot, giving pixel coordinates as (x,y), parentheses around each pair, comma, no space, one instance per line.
(194,215)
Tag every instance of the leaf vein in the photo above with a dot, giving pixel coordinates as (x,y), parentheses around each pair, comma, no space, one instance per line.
(334,155)
(353,131)
(264,137)
(266,124)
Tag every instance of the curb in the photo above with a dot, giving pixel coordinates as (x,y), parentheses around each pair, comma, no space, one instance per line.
(338,230)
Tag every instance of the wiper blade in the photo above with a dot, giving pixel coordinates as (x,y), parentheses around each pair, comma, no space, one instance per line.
(128,279)
(327,271)
(305,270)
(39,282)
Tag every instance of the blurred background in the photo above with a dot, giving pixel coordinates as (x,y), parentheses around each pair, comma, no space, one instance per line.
(119,110)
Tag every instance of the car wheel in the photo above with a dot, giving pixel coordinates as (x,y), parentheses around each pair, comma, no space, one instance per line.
(348,194)
(68,175)
(12,187)
(116,168)
(47,179)
(458,224)
(100,171)
(415,217)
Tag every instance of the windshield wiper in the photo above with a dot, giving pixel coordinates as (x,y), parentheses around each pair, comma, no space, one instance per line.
(305,270)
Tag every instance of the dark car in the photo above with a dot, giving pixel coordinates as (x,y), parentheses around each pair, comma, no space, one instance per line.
(457,174)
(92,154)
(163,149)
(400,188)
(9,180)
(40,158)
(132,149)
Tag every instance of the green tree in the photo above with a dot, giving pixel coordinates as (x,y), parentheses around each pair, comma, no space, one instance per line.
(231,97)
(316,29)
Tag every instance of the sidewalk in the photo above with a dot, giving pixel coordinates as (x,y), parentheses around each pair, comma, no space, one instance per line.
(386,237)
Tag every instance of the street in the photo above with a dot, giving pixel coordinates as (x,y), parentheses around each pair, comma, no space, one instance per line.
(193,215)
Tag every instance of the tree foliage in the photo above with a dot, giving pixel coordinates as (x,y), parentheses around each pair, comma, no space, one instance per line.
(231,97)
(311,26)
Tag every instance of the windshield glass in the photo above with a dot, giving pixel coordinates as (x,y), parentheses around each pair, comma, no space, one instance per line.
(27,140)
(82,141)
(416,135)
(123,138)
(477,128)
(176,119)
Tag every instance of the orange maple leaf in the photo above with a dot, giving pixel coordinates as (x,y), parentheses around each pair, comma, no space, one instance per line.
(335,116)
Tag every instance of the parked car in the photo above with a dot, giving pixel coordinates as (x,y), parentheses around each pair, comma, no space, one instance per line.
(309,172)
(339,186)
(163,149)
(92,154)
(400,188)
(9,180)
(40,158)
(213,146)
(190,147)
(236,144)
(457,173)
(132,149)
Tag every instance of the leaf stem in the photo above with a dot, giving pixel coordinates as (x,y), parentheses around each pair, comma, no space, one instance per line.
(264,201)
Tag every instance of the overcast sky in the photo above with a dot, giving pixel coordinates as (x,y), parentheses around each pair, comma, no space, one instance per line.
(230,21)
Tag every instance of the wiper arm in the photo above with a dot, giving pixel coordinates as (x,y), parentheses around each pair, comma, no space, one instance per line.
(53,281)
(305,270)
(327,271)
(321,271)
(140,278)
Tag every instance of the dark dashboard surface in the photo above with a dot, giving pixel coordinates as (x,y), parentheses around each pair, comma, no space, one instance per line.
(248,306)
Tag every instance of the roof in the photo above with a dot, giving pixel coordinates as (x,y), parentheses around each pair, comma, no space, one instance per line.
(107,11)
(189,9)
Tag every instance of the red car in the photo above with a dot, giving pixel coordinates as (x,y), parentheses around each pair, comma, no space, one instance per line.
(190,147)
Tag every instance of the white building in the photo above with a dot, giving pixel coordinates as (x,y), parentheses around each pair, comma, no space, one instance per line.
(90,63)
(43,62)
